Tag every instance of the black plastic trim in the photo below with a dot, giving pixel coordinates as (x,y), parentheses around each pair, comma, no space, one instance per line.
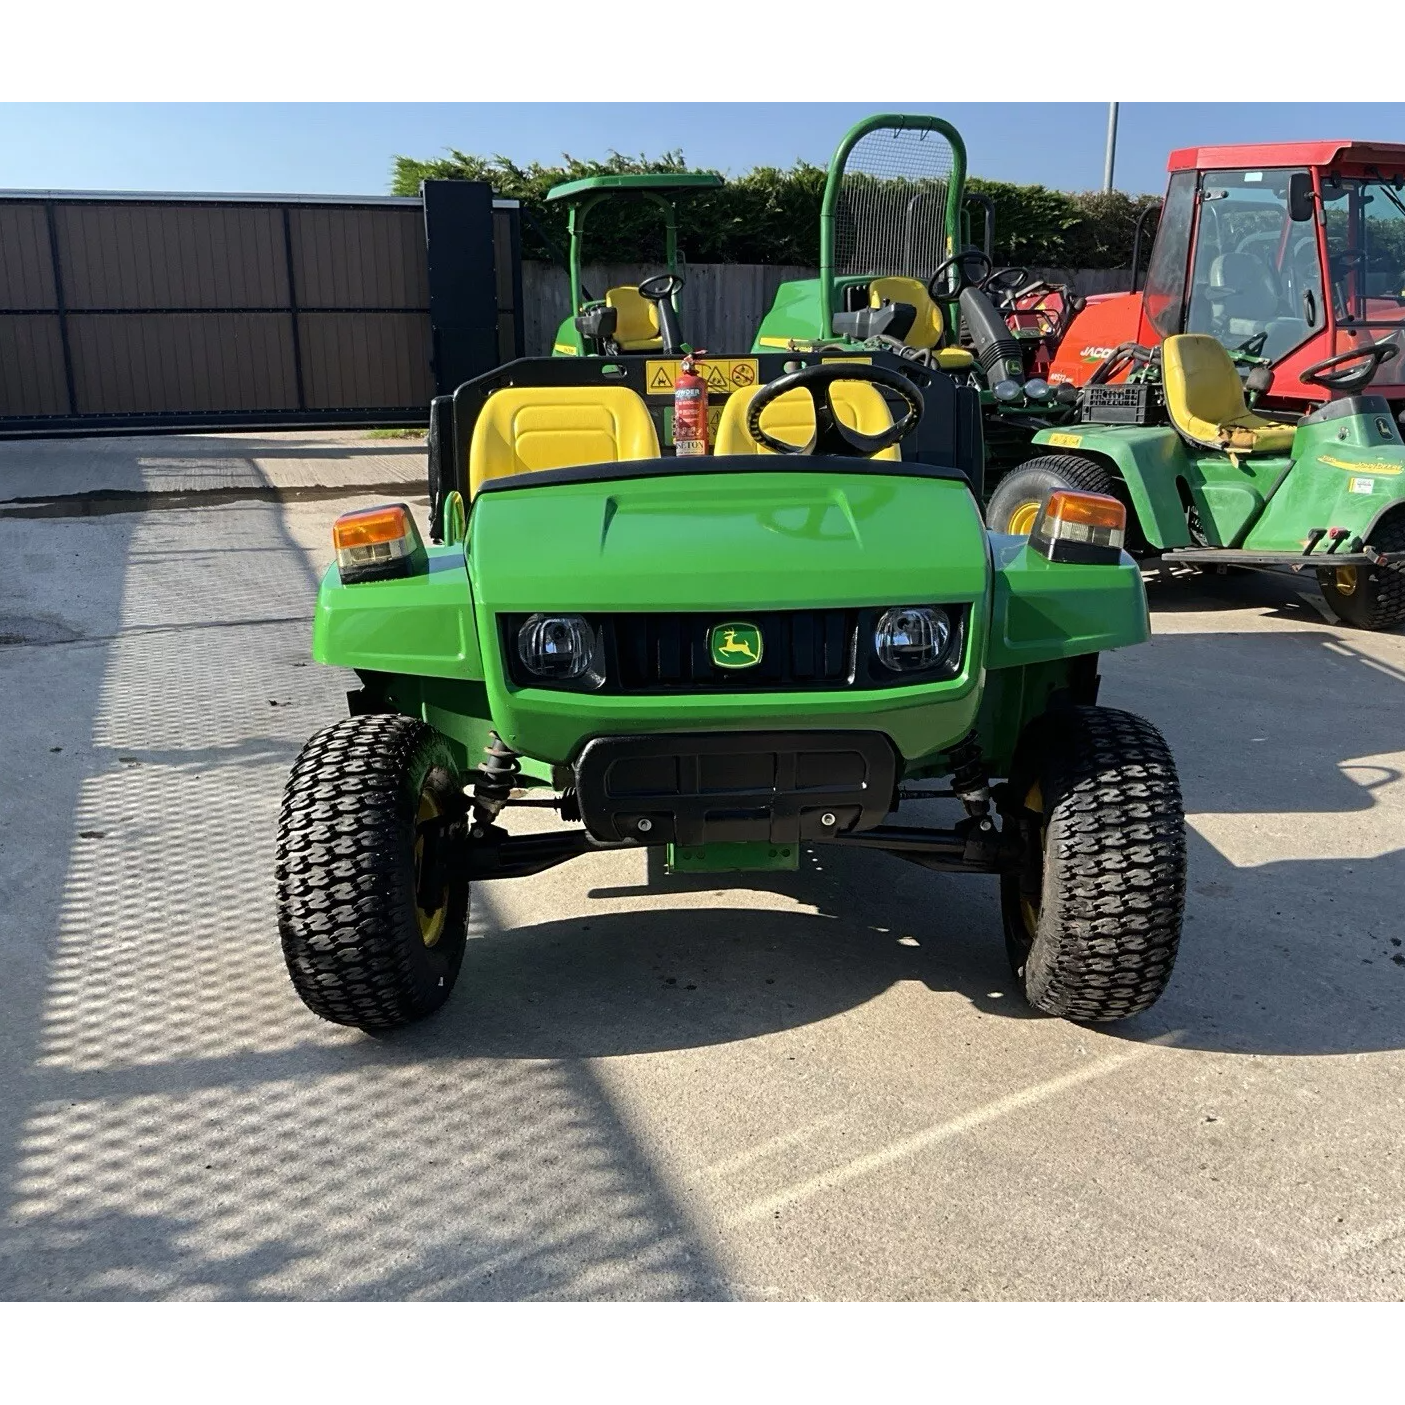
(665,653)
(728,787)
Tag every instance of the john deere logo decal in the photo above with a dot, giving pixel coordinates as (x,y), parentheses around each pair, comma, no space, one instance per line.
(736,646)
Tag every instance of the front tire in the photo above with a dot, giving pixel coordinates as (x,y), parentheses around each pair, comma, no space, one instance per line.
(1369,597)
(367,804)
(1020,494)
(1093,918)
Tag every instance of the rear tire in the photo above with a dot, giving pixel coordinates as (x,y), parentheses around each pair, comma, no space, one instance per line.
(357,821)
(1093,922)
(1369,597)
(1022,492)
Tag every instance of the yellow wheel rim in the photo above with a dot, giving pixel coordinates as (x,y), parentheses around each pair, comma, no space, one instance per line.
(1022,519)
(1345,580)
(431,923)
(1029,907)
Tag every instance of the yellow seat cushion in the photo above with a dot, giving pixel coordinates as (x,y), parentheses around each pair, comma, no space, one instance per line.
(1205,399)
(929,326)
(637,327)
(792,417)
(526,428)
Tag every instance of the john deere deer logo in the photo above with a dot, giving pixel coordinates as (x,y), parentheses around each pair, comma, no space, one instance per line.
(736,645)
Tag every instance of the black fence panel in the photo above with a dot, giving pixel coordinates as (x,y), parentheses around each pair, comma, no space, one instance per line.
(143,312)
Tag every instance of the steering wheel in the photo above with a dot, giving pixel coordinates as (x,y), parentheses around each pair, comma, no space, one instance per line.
(661,285)
(831,435)
(1003,286)
(940,293)
(1325,374)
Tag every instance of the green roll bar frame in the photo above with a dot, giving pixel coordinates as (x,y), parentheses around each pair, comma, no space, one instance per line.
(955,190)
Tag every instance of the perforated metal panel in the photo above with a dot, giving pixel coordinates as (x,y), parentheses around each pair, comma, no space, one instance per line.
(891,212)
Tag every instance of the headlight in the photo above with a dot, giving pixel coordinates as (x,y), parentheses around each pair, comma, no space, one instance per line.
(560,646)
(1037,389)
(1007,392)
(911,638)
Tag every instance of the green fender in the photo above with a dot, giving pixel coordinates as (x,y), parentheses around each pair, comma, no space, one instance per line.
(1149,459)
(1348,473)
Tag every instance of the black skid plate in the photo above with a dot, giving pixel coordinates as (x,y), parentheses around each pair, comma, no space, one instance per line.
(729,787)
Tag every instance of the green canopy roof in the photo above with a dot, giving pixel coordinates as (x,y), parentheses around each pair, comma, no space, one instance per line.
(654,180)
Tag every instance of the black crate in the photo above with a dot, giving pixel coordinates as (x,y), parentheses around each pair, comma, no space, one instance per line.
(1118,404)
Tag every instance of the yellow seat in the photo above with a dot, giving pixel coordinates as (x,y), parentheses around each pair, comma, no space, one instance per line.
(525,428)
(1205,398)
(928,326)
(637,327)
(792,417)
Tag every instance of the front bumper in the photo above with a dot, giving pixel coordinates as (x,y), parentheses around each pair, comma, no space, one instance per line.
(696,788)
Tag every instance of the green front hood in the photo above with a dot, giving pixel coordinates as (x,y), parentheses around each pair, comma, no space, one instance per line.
(754,540)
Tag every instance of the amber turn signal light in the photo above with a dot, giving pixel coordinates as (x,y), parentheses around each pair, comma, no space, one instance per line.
(377,543)
(1080,527)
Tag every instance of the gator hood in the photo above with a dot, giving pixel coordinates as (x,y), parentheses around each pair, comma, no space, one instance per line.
(739,540)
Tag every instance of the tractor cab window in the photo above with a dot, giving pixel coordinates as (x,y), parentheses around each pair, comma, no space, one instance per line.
(1366,248)
(1255,280)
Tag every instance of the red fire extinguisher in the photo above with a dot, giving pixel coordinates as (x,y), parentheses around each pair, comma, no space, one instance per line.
(690,408)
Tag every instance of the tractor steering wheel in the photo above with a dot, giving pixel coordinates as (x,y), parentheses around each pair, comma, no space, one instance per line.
(660,285)
(938,292)
(832,435)
(1004,285)
(1325,374)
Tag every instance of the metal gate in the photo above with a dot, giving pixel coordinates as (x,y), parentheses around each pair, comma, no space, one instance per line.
(142,312)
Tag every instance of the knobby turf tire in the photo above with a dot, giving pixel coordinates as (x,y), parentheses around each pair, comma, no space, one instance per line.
(1378,602)
(1113,860)
(1036,480)
(346,873)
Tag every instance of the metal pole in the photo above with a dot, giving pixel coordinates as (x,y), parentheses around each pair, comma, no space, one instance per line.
(1111,145)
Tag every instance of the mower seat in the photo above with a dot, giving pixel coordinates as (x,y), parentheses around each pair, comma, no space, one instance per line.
(526,428)
(928,326)
(1205,398)
(637,320)
(792,417)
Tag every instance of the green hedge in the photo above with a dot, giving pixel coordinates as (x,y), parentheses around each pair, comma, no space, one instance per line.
(772,216)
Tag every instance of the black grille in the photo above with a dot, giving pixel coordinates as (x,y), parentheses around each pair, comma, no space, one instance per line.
(664,652)
(800,649)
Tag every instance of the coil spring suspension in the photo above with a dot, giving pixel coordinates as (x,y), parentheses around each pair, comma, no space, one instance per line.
(494,780)
(969,781)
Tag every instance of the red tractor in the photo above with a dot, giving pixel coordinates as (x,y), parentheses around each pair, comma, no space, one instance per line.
(1290,252)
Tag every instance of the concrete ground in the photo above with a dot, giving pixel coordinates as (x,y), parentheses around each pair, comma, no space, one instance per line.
(280,465)
(819,1087)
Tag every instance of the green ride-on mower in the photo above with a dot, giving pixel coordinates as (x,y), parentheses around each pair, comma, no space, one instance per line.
(1211,482)
(899,272)
(628,320)
(723,659)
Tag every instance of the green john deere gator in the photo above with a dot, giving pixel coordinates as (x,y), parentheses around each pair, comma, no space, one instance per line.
(723,659)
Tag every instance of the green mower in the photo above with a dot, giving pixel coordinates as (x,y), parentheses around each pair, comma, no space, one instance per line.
(629,319)
(721,660)
(899,273)
(1210,482)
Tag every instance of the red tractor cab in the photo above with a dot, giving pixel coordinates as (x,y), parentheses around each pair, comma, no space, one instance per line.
(1293,252)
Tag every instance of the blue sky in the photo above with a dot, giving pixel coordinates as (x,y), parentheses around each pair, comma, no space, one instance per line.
(346,148)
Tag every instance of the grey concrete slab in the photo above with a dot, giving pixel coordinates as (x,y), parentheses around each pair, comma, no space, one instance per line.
(288,462)
(821,1086)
